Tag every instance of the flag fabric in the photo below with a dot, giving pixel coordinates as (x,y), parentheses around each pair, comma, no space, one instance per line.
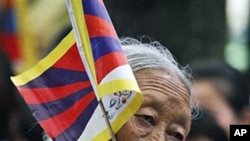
(15,38)
(58,90)
(8,31)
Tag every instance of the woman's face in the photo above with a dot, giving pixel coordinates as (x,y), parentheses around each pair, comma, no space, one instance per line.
(165,112)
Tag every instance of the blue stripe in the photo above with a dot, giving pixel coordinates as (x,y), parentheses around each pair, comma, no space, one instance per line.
(50,109)
(93,7)
(75,130)
(54,77)
(11,21)
(104,45)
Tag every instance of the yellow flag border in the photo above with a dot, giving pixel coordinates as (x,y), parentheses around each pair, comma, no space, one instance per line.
(28,47)
(84,38)
(116,86)
(46,62)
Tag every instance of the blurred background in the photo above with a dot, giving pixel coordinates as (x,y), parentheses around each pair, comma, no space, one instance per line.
(191,29)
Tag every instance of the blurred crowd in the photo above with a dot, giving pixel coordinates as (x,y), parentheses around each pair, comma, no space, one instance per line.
(223,95)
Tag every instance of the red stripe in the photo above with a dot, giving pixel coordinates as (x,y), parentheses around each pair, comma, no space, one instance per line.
(59,123)
(99,27)
(70,60)
(108,62)
(42,95)
(11,46)
(7,4)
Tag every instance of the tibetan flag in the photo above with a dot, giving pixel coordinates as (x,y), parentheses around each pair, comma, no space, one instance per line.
(8,30)
(15,37)
(59,91)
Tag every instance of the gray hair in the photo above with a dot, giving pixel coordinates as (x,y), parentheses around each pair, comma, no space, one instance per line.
(154,55)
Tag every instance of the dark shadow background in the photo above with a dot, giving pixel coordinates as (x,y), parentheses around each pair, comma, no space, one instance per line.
(190,29)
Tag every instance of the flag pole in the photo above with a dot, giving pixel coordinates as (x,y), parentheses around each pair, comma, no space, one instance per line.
(111,132)
(84,60)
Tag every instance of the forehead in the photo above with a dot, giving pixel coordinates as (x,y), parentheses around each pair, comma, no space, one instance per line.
(161,79)
(164,91)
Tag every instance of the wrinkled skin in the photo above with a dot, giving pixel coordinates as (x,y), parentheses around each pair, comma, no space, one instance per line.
(165,112)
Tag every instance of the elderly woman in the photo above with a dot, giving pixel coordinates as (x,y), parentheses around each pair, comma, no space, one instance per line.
(165,114)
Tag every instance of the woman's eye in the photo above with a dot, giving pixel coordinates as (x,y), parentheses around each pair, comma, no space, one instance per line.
(147,119)
(178,136)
